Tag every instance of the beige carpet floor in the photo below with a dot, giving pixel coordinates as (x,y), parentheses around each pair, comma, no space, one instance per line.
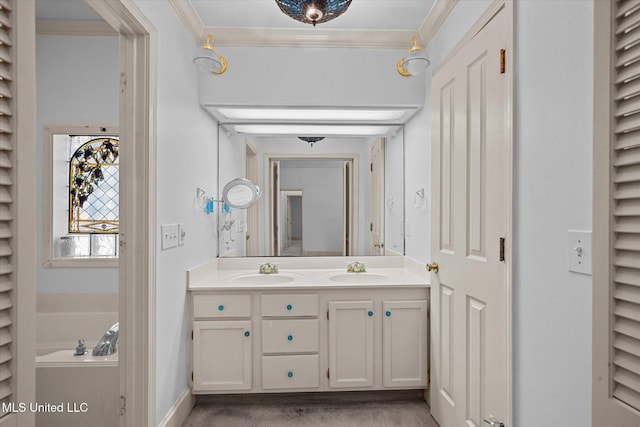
(346,409)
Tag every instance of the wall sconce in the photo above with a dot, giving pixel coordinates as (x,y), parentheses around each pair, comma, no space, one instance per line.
(415,63)
(208,60)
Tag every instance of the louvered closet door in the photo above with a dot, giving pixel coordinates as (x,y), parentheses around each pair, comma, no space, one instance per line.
(6,267)
(619,273)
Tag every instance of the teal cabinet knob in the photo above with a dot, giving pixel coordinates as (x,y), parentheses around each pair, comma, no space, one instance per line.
(387,313)
(247,333)
(289,307)
(220,307)
(370,313)
(290,374)
(290,337)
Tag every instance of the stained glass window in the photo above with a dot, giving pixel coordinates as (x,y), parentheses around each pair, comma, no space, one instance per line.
(93,187)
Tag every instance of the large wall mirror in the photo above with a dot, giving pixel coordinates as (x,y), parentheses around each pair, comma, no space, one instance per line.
(321,195)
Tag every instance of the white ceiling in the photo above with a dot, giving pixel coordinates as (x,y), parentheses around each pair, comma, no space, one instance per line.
(370,15)
(366,23)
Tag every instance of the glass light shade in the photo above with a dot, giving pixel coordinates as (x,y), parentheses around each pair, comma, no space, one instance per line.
(208,60)
(416,62)
(313,11)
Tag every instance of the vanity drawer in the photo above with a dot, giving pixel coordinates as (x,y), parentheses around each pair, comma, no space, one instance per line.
(290,372)
(290,336)
(208,306)
(289,305)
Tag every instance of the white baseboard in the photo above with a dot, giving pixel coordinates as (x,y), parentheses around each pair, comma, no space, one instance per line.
(179,411)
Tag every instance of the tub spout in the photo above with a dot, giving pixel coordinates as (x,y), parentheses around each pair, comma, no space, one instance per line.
(108,344)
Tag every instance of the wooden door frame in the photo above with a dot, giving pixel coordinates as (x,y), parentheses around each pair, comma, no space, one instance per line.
(488,15)
(269,157)
(137,270)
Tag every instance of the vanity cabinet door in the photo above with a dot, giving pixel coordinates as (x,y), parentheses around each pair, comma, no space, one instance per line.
(404,343)
(351,344)
(222,352)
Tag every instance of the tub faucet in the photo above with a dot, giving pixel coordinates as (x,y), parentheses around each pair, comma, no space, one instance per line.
(81,349)
(108,344)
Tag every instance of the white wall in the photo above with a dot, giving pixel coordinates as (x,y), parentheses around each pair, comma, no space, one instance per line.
(311,76)
(186,159)
(67,69)
(553,193)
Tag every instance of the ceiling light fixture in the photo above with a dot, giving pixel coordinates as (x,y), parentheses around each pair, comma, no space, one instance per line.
(313,11)
(308,129)
(208,60)
(315,114)
(415,63)
(311,139)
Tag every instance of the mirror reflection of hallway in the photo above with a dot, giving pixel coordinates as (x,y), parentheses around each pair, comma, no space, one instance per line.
(308,210)
(292,224)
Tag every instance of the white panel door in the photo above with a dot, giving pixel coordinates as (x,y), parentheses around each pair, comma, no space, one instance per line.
(222,355)
(470,187)
(404,344)
(350,344)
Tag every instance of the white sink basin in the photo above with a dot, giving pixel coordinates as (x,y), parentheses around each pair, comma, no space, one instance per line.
(262,279)
(359,278)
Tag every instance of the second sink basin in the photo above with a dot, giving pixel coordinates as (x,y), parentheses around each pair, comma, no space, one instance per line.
(262,279)
(358,278)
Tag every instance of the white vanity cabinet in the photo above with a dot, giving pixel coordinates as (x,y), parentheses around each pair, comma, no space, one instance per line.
(310,338)
(355,327)
(222,351)
(351,350)
(404,343)
(290,333)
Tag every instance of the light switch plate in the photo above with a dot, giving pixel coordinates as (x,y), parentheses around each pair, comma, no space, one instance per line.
(580,251)
(182,234)
(169,235)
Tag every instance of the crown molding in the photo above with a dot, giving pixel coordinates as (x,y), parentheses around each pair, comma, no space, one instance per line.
(74,28)
(435,18)
(318,38)
(189,17)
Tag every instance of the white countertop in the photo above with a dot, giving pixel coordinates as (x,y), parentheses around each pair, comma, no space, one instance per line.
(210,277)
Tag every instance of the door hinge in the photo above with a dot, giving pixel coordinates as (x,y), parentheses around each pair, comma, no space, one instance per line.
(328,373)
(502,249)
(502,61)
(327,314)
(191,334)
(191,376)
(123,405)
(123,82)
(370,226)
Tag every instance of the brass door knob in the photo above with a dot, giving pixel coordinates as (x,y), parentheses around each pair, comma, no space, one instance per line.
(433,267)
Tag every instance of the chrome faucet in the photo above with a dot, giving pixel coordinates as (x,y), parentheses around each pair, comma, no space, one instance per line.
(268,268)
(356,267)
(108,344)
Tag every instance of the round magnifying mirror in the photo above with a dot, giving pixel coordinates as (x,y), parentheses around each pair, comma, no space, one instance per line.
(241,193)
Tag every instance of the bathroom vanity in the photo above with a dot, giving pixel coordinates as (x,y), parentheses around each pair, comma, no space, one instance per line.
(310,327)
